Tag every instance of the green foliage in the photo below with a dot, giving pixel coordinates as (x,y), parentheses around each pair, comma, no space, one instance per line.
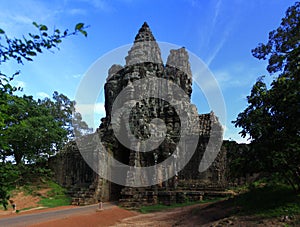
(161,207)
(9,176)
(11,179)
(238,156)
(28,130)
(282,49)
(55,197)
(63,110)
(272,116)
(34,130)
(25,48)
(269,201)
(30,133)
(55,201)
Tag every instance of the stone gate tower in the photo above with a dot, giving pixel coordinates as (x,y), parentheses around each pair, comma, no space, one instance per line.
(144,61)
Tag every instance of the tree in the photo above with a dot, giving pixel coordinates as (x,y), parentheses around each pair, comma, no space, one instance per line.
(27,129)
(79,127)
(35,130)
(24,49)
(9,175)
(272,116)
(63,110)
(31,133)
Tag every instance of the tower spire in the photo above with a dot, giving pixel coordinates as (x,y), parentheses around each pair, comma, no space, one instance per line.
(144,34)
(144,49)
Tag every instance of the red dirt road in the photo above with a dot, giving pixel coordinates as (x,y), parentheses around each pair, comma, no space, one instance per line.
(102,218)
(219,214)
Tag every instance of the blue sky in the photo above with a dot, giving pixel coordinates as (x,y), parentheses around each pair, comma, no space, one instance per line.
(220,32)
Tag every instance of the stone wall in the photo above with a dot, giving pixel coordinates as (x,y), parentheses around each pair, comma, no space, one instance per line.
(72,172)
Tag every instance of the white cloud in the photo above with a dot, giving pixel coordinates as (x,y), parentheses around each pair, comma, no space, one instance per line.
(218,47)
(193,3)
(21,19)
(217,12)
(76,76)
(19,83)
(42,95)
(227,30)
(215,31)
(76,12)
(99,109)
(16,17)
(205,79)
(98,4)
(237,75)
(222,76)
(91,113)
(91,109)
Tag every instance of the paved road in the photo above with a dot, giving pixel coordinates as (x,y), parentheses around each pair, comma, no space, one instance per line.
(29,219)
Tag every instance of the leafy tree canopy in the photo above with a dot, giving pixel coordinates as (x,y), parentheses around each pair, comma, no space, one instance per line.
(30,130)
(34,130)
(272,116)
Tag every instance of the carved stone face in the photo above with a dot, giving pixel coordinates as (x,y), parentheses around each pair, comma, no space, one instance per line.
(131,77)
(128,80)
(129,92)
(112,88)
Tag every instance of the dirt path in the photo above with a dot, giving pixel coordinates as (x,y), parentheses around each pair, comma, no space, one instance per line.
(219,214)
(196,215)
(103,218)
(35,217)
(207,215)
(164,218)
(22,201)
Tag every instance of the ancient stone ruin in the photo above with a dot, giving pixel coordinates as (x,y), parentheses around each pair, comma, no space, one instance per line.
(143,62)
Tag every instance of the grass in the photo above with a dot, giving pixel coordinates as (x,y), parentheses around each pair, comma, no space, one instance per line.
(161,207)
(54,202)
(264,200)
(56,196)
(274,200)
